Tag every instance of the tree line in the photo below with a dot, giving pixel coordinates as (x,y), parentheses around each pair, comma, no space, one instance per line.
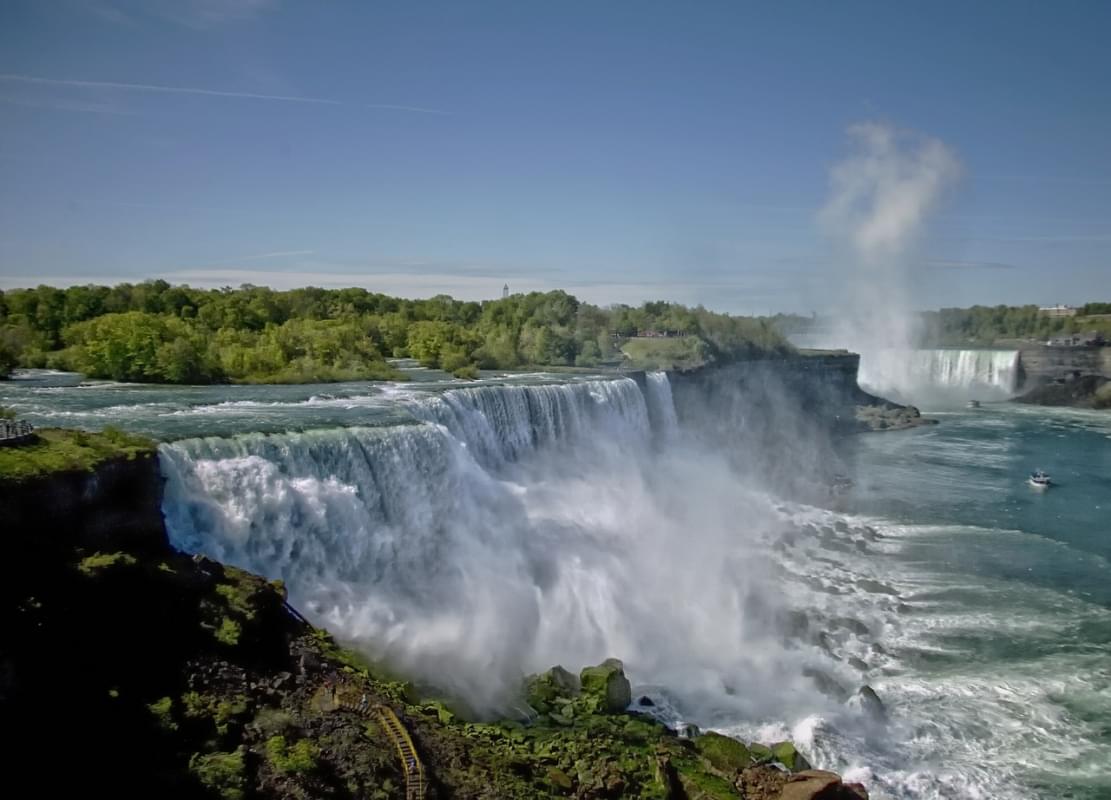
(158,332)
(987,324)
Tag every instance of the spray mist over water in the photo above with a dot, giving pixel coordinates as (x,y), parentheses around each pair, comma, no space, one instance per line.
(508,528)
(517,527)
(881,198)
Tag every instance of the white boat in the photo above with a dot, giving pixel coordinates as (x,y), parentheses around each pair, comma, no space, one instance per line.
(1039,479)
(973,403)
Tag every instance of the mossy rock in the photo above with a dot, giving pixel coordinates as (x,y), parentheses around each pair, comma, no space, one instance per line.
(607,685)
(560,779)
(761,753)
(543,690)
(723,752)
(786,754)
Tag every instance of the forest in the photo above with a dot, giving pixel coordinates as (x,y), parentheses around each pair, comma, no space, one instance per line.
(985,325)
(162,333)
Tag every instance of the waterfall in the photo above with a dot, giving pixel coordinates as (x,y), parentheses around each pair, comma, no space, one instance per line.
(661,405)
(940,373)
(441,542)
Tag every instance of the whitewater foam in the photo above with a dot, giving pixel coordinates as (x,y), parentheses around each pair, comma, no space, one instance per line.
(510,528)
(939,374)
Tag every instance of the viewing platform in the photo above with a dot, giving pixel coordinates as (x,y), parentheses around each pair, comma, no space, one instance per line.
(15,432)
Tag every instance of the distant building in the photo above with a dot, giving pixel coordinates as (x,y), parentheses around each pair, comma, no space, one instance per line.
(1058,311)
(505,291)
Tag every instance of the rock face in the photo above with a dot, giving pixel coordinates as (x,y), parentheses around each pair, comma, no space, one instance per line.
(118,505)
(1086,391)
(816,784)
(607,685)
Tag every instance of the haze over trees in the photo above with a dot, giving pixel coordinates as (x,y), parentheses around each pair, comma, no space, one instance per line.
(156,332)
(987,324)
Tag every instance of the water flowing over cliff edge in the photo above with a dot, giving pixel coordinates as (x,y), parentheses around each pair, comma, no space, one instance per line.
(466,535)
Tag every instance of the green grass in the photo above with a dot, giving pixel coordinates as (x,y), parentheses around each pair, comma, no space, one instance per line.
(101,561)
(63,450)
(681,352)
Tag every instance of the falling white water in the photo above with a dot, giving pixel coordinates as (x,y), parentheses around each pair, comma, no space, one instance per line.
(506,529)
(935,376)
(661,406)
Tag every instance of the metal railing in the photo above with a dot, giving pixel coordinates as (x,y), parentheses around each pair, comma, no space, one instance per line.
(15,430)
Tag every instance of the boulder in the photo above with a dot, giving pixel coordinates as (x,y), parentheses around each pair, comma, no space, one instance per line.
(761,783)
(724,754)
(541,691)
(871,704)
(786,754)
(812,784)
(760,753)
(645,701)
(607,686)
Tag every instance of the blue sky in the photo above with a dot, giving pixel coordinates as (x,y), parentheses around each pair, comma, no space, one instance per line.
(624,151)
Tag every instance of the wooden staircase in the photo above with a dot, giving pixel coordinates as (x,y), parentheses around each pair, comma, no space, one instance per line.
(410,761)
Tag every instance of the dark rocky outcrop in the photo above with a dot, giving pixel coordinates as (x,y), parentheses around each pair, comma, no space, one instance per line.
(782,417)
(1084,391)
(117,503)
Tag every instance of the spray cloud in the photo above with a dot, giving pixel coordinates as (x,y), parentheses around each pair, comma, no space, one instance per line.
(881,197)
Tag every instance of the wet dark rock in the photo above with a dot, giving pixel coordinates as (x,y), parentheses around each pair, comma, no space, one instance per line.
(826,684)
(645,701)
(875,587)
(852,625)
(871,704)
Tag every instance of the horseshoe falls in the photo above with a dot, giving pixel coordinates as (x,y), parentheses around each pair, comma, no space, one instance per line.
(917,376)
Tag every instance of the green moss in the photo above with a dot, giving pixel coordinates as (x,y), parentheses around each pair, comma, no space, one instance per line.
(761,753)
(468,372)
(223,773)
(163,711)
(58,450)
(296,759)
(680,352)
(724,753)
(221,711)
(94,564)
(786,754)
(229,631)
(349,658)
(272,722)
(703,785)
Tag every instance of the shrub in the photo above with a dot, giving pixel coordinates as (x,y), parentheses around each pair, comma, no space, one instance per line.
(297,759)
(163,711)
(223,773)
